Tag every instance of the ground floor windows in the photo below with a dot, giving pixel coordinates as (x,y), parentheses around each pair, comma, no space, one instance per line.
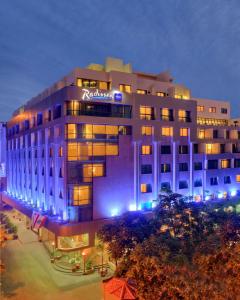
(146,188)
(73,242)
(238,178)
(183,184)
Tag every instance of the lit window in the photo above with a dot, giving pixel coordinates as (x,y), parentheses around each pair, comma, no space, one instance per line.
(73,242)
(238,178)
(71,131)
(146,149)
(161,94)
(167,131)
(212,149)
(146,113)
(79,82)
(201,133)
(147,130)
(200,108)
(184,131)
(93,170)
(112,130)
(182,114)
(60,151)
(72,151)
(225,163)
(142,92)
(212,109)
(125,88)
(111,149)
(81,195)
(146,188)
(103,85)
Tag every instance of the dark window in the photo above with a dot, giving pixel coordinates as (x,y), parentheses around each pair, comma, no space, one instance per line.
(222,148)
(183,184)
(183,149)
(195,148)
(212,164)
(49,115)
(165,186)
(17,128)
(236,163)
(227,134)
(235,148)
(101,110)
(57,111)
(165,168)
(214,180)
(227,180)
(26,124)
(183,167)
(224,110)
(198,166)
(198,182)
(51,172)
(166,149)
(215,134)
(39,119)
(146,169)
(60,173)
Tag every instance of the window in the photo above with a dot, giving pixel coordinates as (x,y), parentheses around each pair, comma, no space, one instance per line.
(197,166)
(73,242)
(161,94)
(166,149)
(212,164)
(238,178)
(81,195)
(146,169)
(146,188)
(183,184)
(71,131)
(103,85)
(167,131)
(147,130)
(142,92)
(50,152)
(195,148)
(60,151)
(165,168)
(184,115)
(200,108)
(57,111)
(146,149)
(92,170)
(39,119)
(201,133)
(212,109)
(225,163)
(165,186)
(236,163)
(125,88)
(183,167)
(214,181)
(212,149)
(198,182)
(215,134)
(147,113)
(183,149)
(224,110)
(184,131)
(166,114)
(227,180)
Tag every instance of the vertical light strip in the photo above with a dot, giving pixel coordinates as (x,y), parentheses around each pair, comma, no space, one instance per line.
(174,166)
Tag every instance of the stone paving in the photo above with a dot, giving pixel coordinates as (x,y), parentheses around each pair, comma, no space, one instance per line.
(30,275)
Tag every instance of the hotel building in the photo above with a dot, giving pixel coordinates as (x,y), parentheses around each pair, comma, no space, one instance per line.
(3,148)
(105,140)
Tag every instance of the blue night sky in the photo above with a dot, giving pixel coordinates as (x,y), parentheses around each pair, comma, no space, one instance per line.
(198,41)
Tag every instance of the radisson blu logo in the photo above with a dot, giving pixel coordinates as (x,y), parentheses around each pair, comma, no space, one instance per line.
(102,96)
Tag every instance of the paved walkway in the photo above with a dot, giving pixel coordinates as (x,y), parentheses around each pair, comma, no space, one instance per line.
(30,275)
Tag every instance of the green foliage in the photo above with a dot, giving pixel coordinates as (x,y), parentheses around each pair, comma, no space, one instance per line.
(181,252)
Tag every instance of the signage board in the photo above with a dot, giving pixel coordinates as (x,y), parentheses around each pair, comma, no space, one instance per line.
(99,95)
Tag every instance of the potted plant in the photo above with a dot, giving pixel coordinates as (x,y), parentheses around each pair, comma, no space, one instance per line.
(89,267)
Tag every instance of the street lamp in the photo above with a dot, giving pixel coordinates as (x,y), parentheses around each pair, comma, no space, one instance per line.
(84,262)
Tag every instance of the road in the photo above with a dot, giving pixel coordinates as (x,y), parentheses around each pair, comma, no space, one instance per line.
(30,275)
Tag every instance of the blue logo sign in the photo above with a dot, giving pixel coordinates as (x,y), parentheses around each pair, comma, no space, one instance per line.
(118,97)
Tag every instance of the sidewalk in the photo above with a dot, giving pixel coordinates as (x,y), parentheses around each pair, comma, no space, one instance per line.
(29,272)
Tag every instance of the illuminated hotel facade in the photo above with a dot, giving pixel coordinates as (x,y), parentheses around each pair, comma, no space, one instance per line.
(105,140)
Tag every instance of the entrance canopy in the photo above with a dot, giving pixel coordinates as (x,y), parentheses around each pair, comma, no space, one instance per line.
(119,289)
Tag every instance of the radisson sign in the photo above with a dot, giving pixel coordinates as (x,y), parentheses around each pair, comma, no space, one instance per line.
(100,95)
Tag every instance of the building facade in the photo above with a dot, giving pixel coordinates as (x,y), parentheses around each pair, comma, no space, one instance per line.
(105,140)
